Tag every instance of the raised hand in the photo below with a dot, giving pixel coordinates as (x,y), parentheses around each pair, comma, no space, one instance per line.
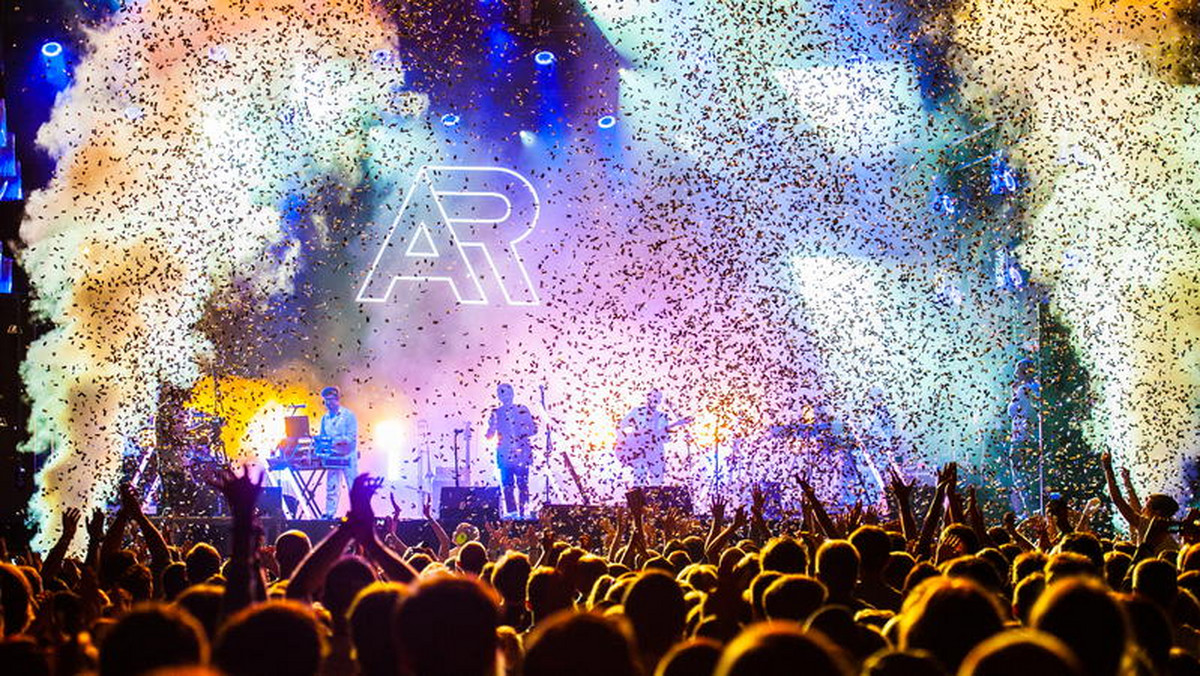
(70,523)
(395,507)
(739,518)
(95,525)
(361,493)
(718,507)
(427,507)
(1106,459)
(900,490)
(241,492)
(131,502)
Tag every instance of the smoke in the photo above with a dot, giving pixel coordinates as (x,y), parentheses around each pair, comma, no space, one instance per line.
(187,123)
(1089,97)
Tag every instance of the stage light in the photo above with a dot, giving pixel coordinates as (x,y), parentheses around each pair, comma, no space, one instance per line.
(527,137)
(389,438)
(607,122)
(544,58)
(450,119)
(1003,178)
(55,63)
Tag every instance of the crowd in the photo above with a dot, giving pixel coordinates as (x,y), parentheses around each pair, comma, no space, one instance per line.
(663,595)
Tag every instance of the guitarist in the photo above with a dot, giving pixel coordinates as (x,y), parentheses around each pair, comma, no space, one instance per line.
(340,427)
(642,438)
(514,425)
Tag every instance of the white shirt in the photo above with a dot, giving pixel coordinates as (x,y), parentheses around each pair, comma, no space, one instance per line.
(342,427)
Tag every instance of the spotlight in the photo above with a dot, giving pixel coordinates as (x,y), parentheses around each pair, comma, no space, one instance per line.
(527,137)
(54,61)
(544,58)
(450,120)
(607,122)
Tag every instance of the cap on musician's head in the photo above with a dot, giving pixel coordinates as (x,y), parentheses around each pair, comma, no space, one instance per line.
(331,391)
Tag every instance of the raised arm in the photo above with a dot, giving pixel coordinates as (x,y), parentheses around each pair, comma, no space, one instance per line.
(758,524)
(827,526)
(245,583)
(310,574)
(934,515)
(160,554)
(1131,495)
(902,493)
(1114,493)
(362,525)
(54,558)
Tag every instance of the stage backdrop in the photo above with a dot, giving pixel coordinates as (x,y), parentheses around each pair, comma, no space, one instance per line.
(774,213)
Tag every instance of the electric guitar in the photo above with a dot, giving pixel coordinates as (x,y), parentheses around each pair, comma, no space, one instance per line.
(631,445)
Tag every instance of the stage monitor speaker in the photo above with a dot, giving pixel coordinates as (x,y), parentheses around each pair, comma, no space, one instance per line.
(664,497)
(270,502)
(473,504)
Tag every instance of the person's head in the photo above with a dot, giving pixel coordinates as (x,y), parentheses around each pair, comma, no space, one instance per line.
(202,561)
(784,555)
(873,546)
(22,655)
(447,627)
(345,580)
(654,605)
(776,649)
(1027,652)
(174,580)
(1160,505)
(837,568)
(281,638)
(332,397)
(510,577)
(203,602)
(290,549)
(472,557)
(654,399)
(693,657)
(16,599)
(793,597)
(1028,563)
(948,617)
(586,644)
(1065,565)
(977,570)
(370,621)
(1026,596)
(902,663)
(138,582)
(547,592)
(1116,566)
(504,392)
(152,636)
(897,568)
(1086,544)
(1083,615)
(1155,579)
(1150,630)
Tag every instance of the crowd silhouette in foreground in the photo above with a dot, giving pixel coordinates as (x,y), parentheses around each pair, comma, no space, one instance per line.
(663,594)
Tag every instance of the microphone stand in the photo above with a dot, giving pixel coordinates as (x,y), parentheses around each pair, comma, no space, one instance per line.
(457,432)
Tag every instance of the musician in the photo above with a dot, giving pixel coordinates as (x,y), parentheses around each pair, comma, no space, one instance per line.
(514,425)
(1025,438)
(642,442)
(340,427)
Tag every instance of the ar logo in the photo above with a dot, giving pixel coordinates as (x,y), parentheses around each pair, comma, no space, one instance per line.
(460,226)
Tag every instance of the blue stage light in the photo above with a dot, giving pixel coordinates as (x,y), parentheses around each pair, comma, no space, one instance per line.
(544,58)
(54,61)
(607,122)
(1003,178)
(450,119)
(527,137)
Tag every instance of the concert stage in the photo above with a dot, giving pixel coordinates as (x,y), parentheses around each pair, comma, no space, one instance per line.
(830,250)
